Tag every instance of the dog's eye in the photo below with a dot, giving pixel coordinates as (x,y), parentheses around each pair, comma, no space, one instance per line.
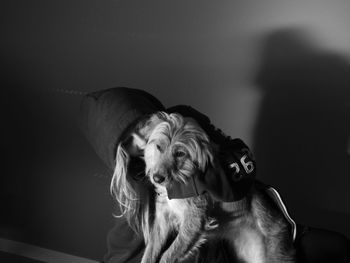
(179,154)
(159,148)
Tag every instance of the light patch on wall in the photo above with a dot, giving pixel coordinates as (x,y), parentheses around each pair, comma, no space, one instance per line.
(329,19)
(237,118)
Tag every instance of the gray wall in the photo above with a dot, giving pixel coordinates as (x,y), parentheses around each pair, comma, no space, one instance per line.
(275,73)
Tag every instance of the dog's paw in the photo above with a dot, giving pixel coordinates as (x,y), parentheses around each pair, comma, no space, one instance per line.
(147,259)
(168,257)
(166,260)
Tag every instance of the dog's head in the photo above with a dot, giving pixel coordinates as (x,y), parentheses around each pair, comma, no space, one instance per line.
(176,148)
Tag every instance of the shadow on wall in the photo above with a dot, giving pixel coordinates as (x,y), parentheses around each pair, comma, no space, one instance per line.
(302,132)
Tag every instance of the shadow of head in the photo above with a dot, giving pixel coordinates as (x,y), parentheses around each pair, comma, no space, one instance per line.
(303,127)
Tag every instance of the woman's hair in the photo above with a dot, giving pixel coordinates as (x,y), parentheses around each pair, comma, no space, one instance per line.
(127,184)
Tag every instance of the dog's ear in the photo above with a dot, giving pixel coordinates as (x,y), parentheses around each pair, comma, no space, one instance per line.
(205,153)
(135,145)
(146,128)
(202,147)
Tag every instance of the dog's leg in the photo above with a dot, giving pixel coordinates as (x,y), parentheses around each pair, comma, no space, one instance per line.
(273,226)
(157,239)
(281,252)
(189,238)
(279,243)
(246,242)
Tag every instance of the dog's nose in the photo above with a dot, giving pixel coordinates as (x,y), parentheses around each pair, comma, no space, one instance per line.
(158,178)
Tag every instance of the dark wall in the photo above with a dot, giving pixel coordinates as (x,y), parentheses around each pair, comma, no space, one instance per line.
(302,132)
(54,191)
(275,73)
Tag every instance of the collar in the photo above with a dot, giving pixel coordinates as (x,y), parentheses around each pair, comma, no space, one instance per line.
(236,206)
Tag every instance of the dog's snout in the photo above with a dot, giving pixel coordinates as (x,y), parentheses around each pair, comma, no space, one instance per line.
(158,178)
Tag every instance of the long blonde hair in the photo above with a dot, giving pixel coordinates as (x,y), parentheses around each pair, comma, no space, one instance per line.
(133,205)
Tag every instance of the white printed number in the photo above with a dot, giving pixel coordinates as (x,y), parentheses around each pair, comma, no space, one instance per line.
(236,167)
(246,163)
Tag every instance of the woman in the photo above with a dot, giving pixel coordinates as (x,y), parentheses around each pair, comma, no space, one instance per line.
(108,117)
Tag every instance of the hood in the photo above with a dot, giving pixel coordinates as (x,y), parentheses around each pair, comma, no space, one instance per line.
(105,115)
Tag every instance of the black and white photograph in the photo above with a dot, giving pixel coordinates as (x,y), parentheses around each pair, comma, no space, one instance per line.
(175,131)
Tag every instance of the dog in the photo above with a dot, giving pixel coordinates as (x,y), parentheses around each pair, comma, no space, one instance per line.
(174,148)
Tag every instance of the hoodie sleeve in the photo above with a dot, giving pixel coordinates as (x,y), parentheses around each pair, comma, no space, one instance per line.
(123,245)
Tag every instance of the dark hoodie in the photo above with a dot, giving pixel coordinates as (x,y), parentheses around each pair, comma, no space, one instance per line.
(107,115)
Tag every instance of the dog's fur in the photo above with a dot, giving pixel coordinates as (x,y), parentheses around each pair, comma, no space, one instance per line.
(174,148)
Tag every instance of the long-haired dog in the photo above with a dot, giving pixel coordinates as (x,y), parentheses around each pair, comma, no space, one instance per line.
(175,148)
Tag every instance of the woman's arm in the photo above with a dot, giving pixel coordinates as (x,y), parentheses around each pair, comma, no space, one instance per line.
(123,245)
